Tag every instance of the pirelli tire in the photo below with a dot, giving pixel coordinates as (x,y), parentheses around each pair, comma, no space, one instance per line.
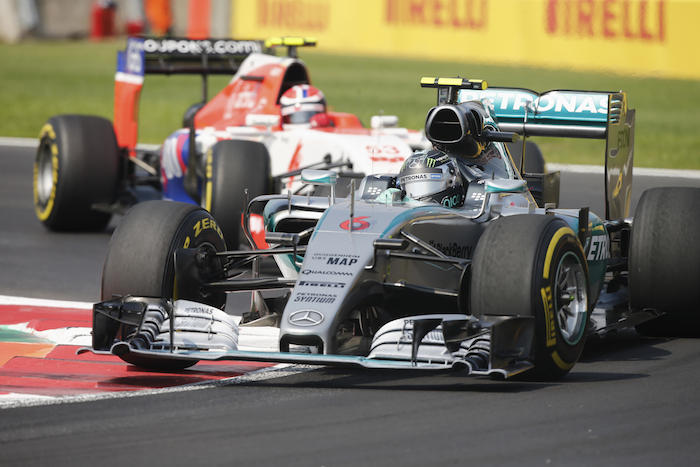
(76,166)
(664,260)
(140,259)
(533,265)
(534,164)
(231,167)
(534,160)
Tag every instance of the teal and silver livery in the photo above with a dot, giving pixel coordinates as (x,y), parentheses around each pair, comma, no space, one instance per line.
(448,265)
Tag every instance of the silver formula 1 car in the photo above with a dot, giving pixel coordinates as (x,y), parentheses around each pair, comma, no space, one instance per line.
(448,265)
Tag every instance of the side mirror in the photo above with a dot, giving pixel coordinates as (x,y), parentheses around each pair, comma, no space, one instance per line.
(282,238)
(265,120)
(320,177)
(188,116)
(506,186)
(390,244)
(378,122)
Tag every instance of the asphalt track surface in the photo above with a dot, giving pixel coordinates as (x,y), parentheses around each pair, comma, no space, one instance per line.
(629,401)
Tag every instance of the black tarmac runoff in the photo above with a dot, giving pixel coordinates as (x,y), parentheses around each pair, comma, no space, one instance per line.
(629,401)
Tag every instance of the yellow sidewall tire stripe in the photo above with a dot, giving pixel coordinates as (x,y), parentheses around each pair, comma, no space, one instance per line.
(208,186)
(561,363)
(44,212)
(47,130)
(552,245)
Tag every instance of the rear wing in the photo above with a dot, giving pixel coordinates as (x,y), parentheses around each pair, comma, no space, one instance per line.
(573,114)
(560,113)
(169,56)
(184,56)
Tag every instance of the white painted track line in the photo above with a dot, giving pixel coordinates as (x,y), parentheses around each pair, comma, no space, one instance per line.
(19,142)
(569,168)
(636,171)
(14,400)
(11,300)
(11,401)
(34,143)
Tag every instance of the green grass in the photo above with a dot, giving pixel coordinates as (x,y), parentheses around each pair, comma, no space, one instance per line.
(41,79)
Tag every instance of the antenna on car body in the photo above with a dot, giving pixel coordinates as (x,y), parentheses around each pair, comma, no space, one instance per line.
(292,43)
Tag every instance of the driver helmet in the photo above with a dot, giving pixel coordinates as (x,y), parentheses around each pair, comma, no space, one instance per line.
(433,176)
(301,102)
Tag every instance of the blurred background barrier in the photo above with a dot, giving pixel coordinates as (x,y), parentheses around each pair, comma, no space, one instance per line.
(640,37)
(372,55)
(101,19)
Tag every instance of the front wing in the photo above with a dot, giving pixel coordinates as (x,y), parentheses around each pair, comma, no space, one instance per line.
(158,333)
(124,350)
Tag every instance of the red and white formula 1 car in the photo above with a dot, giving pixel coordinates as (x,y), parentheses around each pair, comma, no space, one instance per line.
(254,137)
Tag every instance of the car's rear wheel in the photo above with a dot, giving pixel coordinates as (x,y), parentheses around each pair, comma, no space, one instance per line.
(231,168)
(76,167)
(533,265)
(534,160)
(664,260)
(140,258)
(534,164)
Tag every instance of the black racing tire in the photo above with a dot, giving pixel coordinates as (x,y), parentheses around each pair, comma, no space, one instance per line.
(231,167)
(190,113)
(664,260)
(140,259)
(534,164)
(519,268)
(76,166)
(140,255)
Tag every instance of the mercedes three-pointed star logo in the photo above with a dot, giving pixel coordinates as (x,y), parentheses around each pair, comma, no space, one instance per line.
(306,318)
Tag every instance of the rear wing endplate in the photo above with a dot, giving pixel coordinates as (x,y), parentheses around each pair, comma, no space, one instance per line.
(560,113)
(169,56)
(292,43)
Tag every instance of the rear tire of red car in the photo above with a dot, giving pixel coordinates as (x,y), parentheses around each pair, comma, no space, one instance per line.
(664,260)
(76,167)
(140,258)
(231,167)
(533,265)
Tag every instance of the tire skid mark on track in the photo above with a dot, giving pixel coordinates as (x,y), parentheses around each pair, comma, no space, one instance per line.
(39,365)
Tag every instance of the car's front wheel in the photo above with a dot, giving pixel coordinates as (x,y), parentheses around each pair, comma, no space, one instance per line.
(533,265)
(140,258)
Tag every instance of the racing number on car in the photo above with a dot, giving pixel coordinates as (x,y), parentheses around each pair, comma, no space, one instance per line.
(244,100)
(384,153)
(358,223)
(382,149)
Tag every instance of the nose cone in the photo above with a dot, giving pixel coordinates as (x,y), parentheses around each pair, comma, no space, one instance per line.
(333,268)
